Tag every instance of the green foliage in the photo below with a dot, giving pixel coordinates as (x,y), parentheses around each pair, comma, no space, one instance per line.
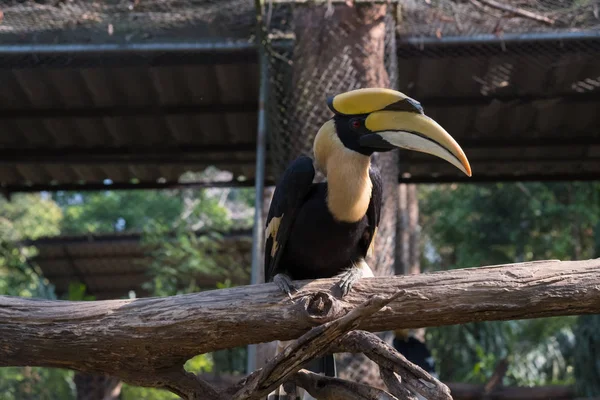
(181,256)
(473,225)
(142,393)
(77,292)
(25,217)
(587,356)
(111,211)
(29,383)
(28,216)
(587,351)
(199,364)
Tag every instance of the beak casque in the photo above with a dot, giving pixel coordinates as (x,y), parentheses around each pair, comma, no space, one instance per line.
(397,121)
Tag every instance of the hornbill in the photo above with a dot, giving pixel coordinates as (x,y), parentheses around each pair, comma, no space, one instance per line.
(327,229)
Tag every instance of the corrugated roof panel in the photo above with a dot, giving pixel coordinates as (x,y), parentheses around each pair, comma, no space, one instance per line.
(570,69)
(198,84)
(432,77)
(112,264)
(12,94)
(462,76)
(99,83)
(241,127)
(521,119)
(530,74)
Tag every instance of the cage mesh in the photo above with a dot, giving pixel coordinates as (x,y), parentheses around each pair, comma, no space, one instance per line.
(85,21)
(74,21)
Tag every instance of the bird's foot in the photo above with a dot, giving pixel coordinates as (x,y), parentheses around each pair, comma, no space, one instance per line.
(284,283)
(348,278)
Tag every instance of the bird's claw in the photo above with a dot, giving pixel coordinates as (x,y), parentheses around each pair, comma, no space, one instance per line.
(349,277)
(284,283)
(347,280)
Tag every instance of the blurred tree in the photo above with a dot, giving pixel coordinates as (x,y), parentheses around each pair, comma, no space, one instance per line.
(472,225)
(587,351)
(115,211)
(28,216)
(170,222)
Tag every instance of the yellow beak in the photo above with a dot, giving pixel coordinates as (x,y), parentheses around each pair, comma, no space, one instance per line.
(413,131)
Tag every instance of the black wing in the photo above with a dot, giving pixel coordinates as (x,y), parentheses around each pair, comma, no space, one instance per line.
(374,210)
(289,195)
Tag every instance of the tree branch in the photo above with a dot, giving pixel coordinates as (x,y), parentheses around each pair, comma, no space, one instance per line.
(309,346)
(392,381)
(327,388)
(518,11)
(388,358)
(141,338)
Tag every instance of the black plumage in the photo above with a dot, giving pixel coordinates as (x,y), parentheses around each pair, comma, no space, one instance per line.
(309,243)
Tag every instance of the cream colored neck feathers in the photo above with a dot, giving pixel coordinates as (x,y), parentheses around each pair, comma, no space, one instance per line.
(348,184)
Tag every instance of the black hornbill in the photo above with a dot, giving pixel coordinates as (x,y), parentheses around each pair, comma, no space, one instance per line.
(326,229)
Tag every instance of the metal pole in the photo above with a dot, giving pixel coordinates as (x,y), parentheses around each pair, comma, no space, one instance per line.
(493,39)
(126,48)
(261,144)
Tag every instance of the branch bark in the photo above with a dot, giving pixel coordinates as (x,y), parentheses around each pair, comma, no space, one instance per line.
(143,338)
(518,11)
(326,388)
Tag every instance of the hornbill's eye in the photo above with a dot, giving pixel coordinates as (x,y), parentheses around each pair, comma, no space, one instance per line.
(356,124)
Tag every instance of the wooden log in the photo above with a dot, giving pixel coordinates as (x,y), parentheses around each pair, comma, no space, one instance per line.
(137,337)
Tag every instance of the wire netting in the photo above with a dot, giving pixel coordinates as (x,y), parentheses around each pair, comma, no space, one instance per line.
(90,21)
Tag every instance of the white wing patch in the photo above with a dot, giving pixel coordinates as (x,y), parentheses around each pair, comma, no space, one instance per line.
(271,231)
(371,248)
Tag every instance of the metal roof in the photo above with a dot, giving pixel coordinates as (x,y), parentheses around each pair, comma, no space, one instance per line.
(522,108)
(76,98)
(111,265)
(150,123)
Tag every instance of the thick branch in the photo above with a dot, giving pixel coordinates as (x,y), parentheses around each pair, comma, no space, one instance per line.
(145,335)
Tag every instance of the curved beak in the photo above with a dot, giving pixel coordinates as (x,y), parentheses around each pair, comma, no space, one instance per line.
(412,131)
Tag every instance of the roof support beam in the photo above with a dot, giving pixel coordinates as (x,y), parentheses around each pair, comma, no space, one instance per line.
(218,51)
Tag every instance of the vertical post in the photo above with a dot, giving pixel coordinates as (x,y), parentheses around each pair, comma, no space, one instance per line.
(261,144)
